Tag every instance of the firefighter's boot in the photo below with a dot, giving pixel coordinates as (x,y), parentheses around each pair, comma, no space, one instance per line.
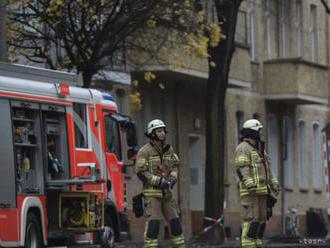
(176,231)
(249,234)
(151,234)
(260,235)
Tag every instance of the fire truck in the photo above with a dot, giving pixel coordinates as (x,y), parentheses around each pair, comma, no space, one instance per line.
(62,153)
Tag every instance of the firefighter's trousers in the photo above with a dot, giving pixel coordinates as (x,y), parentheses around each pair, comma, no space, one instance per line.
(254,217)
(155,209)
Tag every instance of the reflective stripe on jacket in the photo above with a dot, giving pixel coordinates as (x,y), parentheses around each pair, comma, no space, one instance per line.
(253,170)
(154,163)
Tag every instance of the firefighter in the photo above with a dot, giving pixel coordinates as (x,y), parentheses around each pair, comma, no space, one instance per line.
(157,168)
(256,183)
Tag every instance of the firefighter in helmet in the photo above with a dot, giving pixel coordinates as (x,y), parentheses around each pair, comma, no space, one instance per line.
(256,184)
(157,168)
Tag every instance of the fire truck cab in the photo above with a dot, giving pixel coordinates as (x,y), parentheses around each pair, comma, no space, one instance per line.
(62,151)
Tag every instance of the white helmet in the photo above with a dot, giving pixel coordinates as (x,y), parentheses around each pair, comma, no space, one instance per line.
(154,124)
(253,124)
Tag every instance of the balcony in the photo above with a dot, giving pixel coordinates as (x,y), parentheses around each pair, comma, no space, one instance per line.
(296,81)
(197,72)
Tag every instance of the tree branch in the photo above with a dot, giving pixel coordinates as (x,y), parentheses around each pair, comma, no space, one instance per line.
(91,39)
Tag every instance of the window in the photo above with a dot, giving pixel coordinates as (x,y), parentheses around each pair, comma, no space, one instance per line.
(57,52)
(298,25)
(256,116)
(163,108)
(288,153)
(317,161)
(313,32)
(120,100)
(112,135)
(241,28)
(117,60)
(253,31)
(284,27)
(271,14)
(210,11)
(303,175)
(273,142)
(239,124)
(80,125)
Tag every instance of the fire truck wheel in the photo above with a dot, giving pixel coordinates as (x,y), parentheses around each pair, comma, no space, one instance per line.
(33,232)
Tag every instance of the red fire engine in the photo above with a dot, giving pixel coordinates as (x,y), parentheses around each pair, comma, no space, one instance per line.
(62,152)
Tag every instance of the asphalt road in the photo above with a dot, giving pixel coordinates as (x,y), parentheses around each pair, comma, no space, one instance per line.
(315,243)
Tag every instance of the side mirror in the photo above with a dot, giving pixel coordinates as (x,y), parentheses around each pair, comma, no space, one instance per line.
(131,153)
(126,123)
(131,134)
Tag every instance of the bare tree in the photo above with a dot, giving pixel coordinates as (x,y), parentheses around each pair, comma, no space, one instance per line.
(85,36)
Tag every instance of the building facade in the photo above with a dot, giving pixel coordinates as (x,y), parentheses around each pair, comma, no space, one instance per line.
(279,75)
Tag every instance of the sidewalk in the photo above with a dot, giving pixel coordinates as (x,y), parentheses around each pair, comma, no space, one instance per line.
(315,243)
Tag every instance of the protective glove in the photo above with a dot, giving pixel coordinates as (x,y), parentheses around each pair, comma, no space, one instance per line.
(276,189)
(172,181)
(164,183)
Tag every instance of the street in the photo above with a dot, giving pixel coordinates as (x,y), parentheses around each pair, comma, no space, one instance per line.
(315,243)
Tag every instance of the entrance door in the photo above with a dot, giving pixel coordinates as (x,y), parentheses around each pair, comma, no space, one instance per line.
(196,174)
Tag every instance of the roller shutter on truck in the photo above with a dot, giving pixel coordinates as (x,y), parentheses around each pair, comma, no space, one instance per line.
(7,165)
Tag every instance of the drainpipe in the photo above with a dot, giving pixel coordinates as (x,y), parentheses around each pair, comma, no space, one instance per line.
(283,142)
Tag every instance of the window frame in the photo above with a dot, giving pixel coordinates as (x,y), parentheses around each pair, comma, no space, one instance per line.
(87,125)
(283,13)
(272,30)
(313,34)
(253,30)
(245,40)
(298,24)
(108,116)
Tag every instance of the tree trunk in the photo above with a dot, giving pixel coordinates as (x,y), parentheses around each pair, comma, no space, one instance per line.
(215,116)
(87,78)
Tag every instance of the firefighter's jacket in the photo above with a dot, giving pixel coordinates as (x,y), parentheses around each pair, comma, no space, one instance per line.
(154,163)
(253,170)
